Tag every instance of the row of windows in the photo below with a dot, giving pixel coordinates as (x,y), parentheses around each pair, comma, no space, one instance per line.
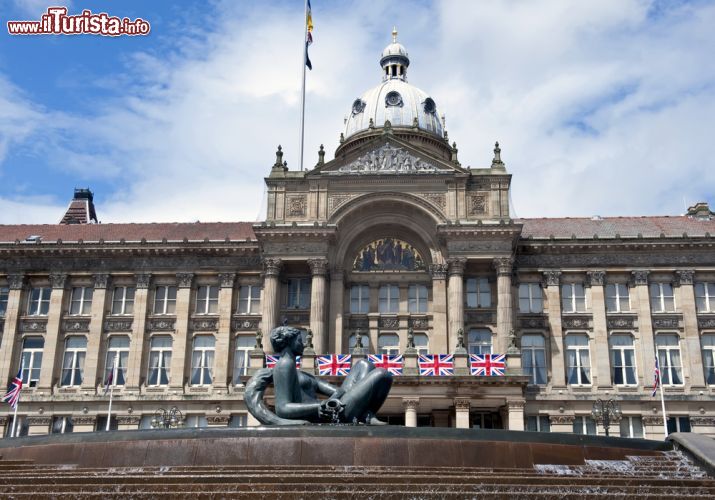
(624,371)
(159,367)
(629,426)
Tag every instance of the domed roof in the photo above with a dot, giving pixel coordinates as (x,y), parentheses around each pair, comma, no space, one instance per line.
(404,105)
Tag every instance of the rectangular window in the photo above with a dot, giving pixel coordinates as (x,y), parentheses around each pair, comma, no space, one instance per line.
(81,301)
(388,343)
(478,293)
(4,292)
(242,359)
(421,343)
(708,343)
(538,423)
(62,425)
(533,358)
(249,299)
(584,425)
(117,359)
(573,298)
(299,293)
(631,427)
(661,297)
(359,299)
(73,364)
(623,360)
(202,360)
(123,300)
(678,424)
(159,360)
(531,298)
(417,298)
(704,297)
(671,366)
(389,299)
(578,360)
(39,303)
(165,300)
(207,300)
(31,360)
(617,297)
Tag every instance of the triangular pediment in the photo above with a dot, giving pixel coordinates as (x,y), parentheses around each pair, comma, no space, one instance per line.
(387,156)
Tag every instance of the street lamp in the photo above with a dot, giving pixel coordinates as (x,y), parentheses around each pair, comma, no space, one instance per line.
(606,411)
(167,419)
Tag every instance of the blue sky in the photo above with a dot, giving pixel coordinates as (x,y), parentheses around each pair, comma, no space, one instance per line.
(601,107)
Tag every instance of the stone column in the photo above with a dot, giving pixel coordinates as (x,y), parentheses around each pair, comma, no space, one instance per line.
(646,353)
(455,291)
(505,313)
(691,336)
(552,281)
(439,341)
(92,376)
(601,362)
(10,340)
(337,307)
(223,335)
(51,360)
(178,355)
(137,347)
(271,302)
(410,405)
(461,413)
(319,270)
(515,408)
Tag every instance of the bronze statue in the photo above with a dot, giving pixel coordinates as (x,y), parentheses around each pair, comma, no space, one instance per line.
(362,393)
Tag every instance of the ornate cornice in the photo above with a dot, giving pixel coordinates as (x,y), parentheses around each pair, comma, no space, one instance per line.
(83,419)
(101,280)
(143,280)
(595,278)
(652,420)
(227,279)
(640,277)
(128,419)
(218,419)
(462,403)
(204,324)
(184,280)
(551,278)
(684,277)
(456,266)
(161,324)
(703,421)
(75,325)
(438,271)
(44,420)
(318,267)
(57,280)
(272,266)
(504,265)
(410,403)
(515,404)
(561,419)
(15,281)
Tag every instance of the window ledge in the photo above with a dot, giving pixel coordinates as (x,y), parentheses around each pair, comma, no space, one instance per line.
(199,388)
(627,388)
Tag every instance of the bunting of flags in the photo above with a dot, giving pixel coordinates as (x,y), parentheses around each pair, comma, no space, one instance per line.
(487,365)
(334,364)
(12,396)
(309,36)
(393,363)
(436,365)
(272,359)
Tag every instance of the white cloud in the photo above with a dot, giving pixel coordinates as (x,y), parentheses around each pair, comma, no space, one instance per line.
(600,107)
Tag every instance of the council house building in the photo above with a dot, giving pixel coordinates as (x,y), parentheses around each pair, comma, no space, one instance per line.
(392,247)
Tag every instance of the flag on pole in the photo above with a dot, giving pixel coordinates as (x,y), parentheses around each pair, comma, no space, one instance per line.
(309,34)
(13,392)
(656,376)
(110,379)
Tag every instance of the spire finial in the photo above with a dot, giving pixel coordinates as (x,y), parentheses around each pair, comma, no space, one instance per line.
(394,34)
(497,162)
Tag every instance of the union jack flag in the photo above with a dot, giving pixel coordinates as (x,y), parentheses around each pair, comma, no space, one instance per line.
(656,376)
(272,359)
(487,364)
(334,364)
(13,392)
(393,363)
(436,365)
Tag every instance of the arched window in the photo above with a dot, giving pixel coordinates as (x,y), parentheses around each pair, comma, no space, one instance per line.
(421,343)
(479,341)
(388,343)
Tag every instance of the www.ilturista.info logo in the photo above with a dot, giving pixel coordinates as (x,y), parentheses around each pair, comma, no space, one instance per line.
(57,22)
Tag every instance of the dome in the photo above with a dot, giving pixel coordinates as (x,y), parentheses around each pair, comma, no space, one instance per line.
(404,105)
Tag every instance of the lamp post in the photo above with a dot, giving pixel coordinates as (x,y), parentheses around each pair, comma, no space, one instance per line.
(167,419)
(606,411)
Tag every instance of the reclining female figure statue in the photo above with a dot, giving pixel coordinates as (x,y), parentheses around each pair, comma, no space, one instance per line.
(362,393)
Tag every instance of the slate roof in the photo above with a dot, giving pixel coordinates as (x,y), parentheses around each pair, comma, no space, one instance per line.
(609,227)
(175,231)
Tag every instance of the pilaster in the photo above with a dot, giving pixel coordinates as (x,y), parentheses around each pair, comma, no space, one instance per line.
(337,295)
(50,356)
(271,306)
(461,413)
(439,339)
(183,306)
(601,364)
(410,405)
(455,293)
(552,282)
(223,335)
(691,340)
(515,408)
(646,353)
(505,312)
(319,270)
(136,347)
(10,342)
(92,377)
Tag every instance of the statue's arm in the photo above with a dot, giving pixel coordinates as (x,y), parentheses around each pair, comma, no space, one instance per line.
(285,381)
(324,387)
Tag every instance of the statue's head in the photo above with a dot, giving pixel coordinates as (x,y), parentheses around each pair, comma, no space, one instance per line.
(287,336)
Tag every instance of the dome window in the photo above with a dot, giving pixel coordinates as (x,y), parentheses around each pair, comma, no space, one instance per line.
(358,106)
(393,99)
(429,106)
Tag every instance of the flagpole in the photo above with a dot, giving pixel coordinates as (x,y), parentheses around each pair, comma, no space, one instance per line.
(662,402)
(302,92)
(14,418)
(111,394)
